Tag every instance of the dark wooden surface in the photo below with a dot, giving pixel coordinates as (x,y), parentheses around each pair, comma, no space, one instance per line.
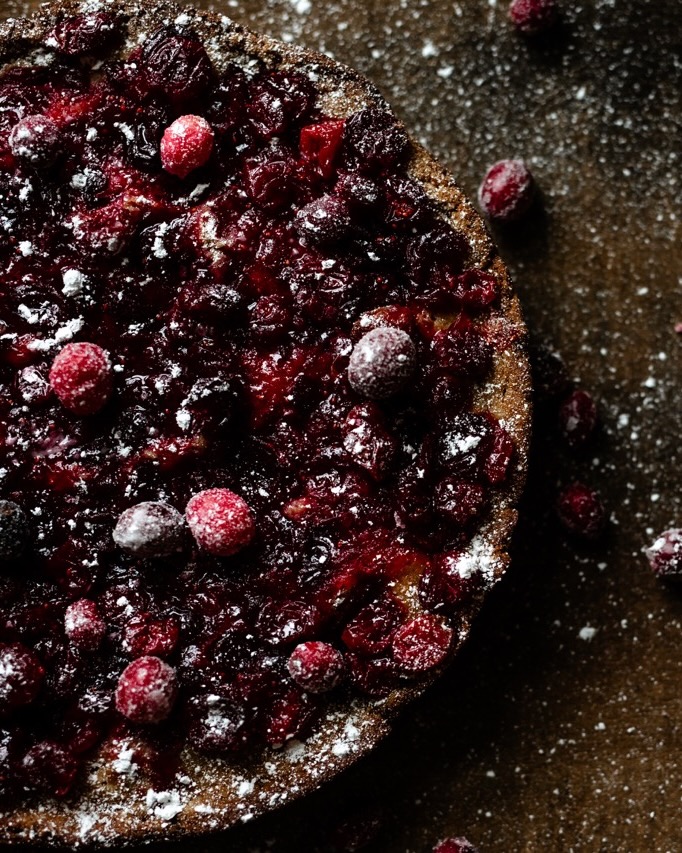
(537,739)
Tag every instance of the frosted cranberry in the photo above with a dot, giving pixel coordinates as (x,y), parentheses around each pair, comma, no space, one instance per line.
(271,178)
(36,140)
(217,723)
(83,625)
(375,140)
(146,690)
(578,418)
(455,845)
(150,529)
(220,521)
(422,643)
(372,630)
(316,667)
(320,145)
(464,442)
(187,145)
(507,190)
(532,17)
(81,376)
(14,530)
(499,457)
(581,511)
(459,501)
(145,635)
(48,766)
(462,349)
(324,221)
(382,363)
(78,35)
(21,676)
(176,62)
(476,289)
(665,554)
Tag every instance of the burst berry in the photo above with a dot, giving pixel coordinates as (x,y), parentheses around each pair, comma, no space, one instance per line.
(422,643)
(382,362)
(665,554)
(21,676)
(507,191)
(220,521)
(578,418)
(581,511)
(83,625)
(13,530)
(316,667)
(81,376)
(455,845)
(146,690)
(150,529)
(187,145)
(320,145)
(532,17)
(36,140)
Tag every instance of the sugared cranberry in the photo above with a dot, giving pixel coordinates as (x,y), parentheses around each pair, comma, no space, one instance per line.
(36,140)
(367,442)
(187,145)
(316,667)
(320,144)
(176,62)
(455,845)
(324,221)
(220,521)
(81,376)
(581,511)
(532,17)
(150,529)
(146,690)
(78,35)
(382,363)
(422,644)
(83,625)
(665,554)
(21,676)
(13,530)
(48,766)
(375,140)
(578,418)
(443,586)
(459,501)
(507,190)
(362,194)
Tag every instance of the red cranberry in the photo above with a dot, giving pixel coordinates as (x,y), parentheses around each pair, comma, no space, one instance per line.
(83,625)
(439,249)
(277,100)
(578,418)
(287,622)
(144,635)
(372,630)
(290,716)
(477,290)
(21,676)
(81,376)
(361,193)
(459,501)
(50,767)
(320,145)
(374,676)
(532,17)
(665,554)
(367,442)
(375,140)
(443,587)
(422,643)
(187,145)
(581,511)
(176,62)
(146,690)
(217,724)
(324,221)
(220,521)
(464,442)
(382,363)
(150,529)
(455,845)
(13,530)
(270,318)
(316,667)
(462,349)
(271,179)
(507,191)
(500,455)
(78,35)
(36,140)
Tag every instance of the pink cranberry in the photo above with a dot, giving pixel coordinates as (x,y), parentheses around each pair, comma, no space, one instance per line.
(665,554)
(187,145)
(150,529)
(578,418)
(581,511)
(50,767)
(146,690)
(382,362)
(81,376)
(316,667)
(220,521)
(21,676)
(321,143)
(455,845)
(422,643)
(532,17)
(83,625)
(36,140)
(507,190)
(13,530)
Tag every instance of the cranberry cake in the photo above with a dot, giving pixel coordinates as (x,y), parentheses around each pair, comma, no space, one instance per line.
(263,421)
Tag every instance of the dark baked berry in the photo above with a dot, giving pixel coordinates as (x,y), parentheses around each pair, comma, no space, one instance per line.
(324,221)
(187,145)
(367,442)
(455,845)
(150,529)
(316,667)
(533,17)
(146,690)
(459,501)
(578,418)
(665,554)
(176,62)
(14,530)
(86,34)
(36,140)
(50,767)
(145,635)
(507,191)
(81,376)
(372,630)
(422,644)
(21,676)
(382,362)
(581,511)
(462,349)
(464,442)
(83,625)
(217,723)
(476,290)
(496,465)
(375,140)
(220,521)
(320,145)
(271,179)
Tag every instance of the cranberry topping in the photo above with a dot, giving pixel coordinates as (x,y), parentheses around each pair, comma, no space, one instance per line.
(375,140)
(507,191)
(146,690)
(320,145)
(459,501)
(382,362)
(372,630)
(150,529)
(186,145)
(36,140)
(49,767)
(455,845)
(81,377)
(578,418)
(317,667)
(532,17)
(665,554)
(83,625)
(220,521)
(581,511)
(13,530)
(175,62)
(84,34)
(21,676)
(422,644)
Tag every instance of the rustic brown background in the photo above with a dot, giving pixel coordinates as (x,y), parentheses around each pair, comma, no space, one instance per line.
(537,739)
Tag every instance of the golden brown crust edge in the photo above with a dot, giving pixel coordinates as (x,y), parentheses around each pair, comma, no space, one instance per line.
(113,805)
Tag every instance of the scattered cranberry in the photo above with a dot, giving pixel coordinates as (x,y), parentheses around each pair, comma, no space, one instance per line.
(48,766)
(678,328)
(507,191)
(665,554)
(83,625)
(13,530)
(382,363)
(316,667)
(21,676)
(77,35)
(321,143)
(187,145)
(81,376)
(532,17)
(578,418)
(455,845)
(581,511)
(36,140)
(375,140)
(146,690)
(150,529)
(422,643)
(220,521)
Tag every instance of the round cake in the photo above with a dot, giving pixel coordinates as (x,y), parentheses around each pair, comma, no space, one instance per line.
(264,420)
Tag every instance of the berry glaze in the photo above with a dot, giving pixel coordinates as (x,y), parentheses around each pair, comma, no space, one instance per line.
(213,308)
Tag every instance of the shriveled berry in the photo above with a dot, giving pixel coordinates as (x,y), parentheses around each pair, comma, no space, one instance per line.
(462,349)
(146,690)
(375,140)
(581,511)
(81,376)
(316,667)
(445,585)
(83,625)
(382,362)
(578,418)
(324,221)
(187,145)
(455,845)
(461,502)
(463,443)
(271,179)
(372,630)
(665,554)
(496,465)
(145,635)
(36,140)
(150,529)
(287,622)
(366,440)
(13,530)
(220,521)
(476,289)
(50,767)
(21,676)
(175,61)
(507,190)
(78,35)
(533,17)
(422,644)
